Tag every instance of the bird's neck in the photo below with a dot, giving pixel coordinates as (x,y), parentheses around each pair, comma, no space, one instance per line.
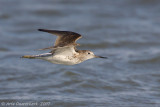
(80,55)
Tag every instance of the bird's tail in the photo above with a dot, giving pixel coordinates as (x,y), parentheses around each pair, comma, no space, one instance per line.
(40,56)
(29,56)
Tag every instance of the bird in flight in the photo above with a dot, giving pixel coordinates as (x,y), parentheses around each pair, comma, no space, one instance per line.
(64,50)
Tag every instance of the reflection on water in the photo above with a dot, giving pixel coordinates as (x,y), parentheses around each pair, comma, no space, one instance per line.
(125,31)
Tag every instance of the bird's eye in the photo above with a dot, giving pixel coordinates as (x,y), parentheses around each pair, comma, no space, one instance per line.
(89,53)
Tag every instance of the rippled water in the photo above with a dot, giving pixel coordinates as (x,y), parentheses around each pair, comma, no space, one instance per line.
(126,31)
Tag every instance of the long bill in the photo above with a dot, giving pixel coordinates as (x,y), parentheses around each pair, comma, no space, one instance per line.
(101,57)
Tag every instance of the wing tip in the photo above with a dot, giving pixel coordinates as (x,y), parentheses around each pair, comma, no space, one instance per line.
(40,29)
(45,30)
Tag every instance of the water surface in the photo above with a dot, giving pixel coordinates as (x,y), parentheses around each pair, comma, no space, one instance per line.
(126,31)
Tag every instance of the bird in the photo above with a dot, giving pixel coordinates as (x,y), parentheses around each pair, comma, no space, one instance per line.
(64,50)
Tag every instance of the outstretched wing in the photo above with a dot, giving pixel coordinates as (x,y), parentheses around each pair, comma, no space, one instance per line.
(65,38)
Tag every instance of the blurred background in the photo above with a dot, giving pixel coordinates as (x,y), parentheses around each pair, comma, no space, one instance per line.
(126,31)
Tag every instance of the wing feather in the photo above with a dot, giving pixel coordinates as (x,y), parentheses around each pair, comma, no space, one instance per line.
(64,37)
(66,50)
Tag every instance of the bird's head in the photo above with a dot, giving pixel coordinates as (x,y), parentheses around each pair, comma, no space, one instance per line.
(89,55)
